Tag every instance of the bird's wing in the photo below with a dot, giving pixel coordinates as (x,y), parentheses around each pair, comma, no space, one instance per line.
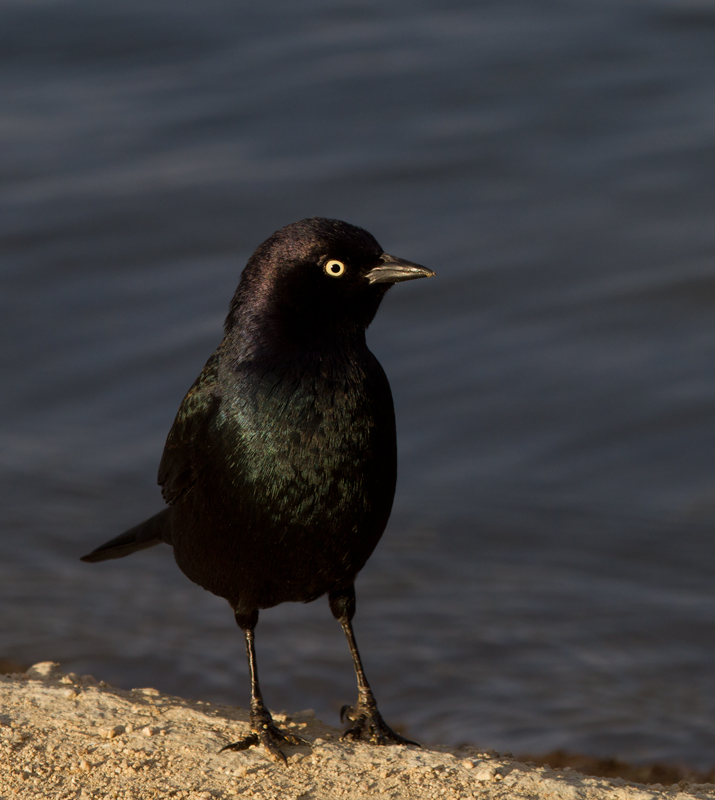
(177,468)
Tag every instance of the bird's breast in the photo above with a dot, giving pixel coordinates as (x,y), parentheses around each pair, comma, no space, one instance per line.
(311,442)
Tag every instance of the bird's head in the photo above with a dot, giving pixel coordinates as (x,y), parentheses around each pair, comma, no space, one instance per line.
(314,276)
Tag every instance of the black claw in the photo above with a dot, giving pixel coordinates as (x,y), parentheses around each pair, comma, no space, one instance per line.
(351,734)
(274,752)
(242,744)
(345,712)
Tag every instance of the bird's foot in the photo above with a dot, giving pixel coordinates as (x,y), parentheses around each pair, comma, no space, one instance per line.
(369,724)
(264,731)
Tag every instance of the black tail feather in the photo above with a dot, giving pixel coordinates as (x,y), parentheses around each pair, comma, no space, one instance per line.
(152,531)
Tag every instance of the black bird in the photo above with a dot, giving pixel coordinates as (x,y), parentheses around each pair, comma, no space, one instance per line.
(279,470)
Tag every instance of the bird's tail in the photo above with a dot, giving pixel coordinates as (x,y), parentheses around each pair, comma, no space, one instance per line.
(150,532)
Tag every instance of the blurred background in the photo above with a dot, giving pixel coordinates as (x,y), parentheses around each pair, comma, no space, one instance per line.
(546,578)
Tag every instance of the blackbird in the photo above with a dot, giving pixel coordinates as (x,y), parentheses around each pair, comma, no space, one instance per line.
(279,470)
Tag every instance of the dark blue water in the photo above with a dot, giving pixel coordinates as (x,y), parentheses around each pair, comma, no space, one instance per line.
(547,577)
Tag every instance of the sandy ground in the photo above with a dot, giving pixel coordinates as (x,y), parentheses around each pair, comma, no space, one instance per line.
(64,736)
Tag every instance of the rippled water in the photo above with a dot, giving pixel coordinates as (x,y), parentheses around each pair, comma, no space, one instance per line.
(546,580)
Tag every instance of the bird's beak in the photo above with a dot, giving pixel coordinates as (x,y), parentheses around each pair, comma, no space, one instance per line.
(392,270)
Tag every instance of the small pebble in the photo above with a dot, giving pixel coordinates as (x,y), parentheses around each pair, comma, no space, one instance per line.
(110,733)
(44,669)
(485,773)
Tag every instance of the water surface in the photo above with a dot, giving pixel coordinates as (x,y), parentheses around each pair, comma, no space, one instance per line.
(546,579)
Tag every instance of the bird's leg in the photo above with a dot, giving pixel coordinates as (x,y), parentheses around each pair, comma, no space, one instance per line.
(264,730)
(366,719)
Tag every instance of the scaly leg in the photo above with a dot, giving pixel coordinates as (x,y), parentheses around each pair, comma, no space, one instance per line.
(364,715)
(264,730)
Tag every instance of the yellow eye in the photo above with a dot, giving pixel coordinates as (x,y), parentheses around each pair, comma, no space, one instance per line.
(335,269)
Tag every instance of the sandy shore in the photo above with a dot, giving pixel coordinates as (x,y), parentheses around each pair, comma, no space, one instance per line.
(64,736)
